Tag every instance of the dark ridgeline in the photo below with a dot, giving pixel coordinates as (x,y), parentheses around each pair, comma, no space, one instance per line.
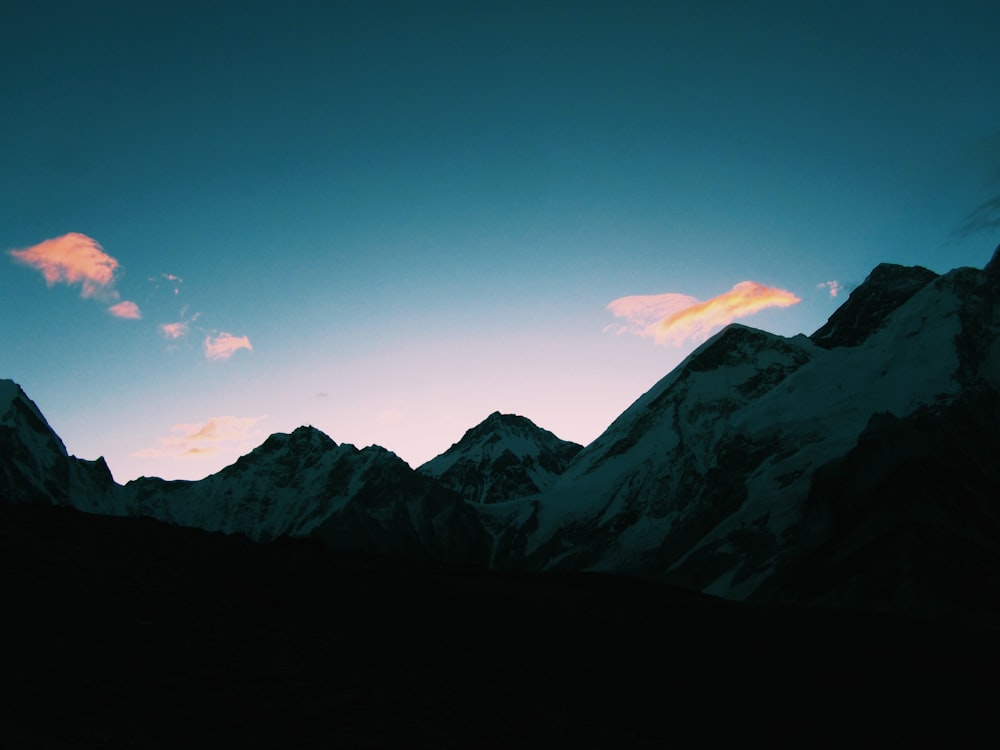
(382,625)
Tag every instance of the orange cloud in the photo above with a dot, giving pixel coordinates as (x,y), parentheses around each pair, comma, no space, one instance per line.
(207,438)
(174,330)
(676,318)
(225,345)
(72,259)
(125,309)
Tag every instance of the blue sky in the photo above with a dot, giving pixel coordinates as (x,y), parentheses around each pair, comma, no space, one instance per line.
(414,214)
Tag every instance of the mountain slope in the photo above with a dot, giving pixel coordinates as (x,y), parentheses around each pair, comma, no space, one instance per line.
(34,464)
(887,287)
(714,478)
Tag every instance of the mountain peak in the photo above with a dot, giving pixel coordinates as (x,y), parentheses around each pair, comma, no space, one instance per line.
(887,288)
(503,457)
(497,421)
(11,393)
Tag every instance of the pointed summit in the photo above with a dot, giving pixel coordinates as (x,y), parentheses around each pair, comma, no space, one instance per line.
(887,287)
(504,457)
(36,468)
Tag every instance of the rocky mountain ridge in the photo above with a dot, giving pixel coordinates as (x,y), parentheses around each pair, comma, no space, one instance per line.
(504,457)
(758,459)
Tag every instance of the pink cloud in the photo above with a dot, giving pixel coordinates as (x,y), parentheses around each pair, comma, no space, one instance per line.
(225,345)
(174,330)
(125,309)
(834,287)
(72,259)
(177,280)
(201,439)
(675,318)
(643,310)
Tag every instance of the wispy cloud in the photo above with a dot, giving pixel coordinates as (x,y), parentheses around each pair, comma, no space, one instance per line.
(173,330)
(833,287)
(225,345)
(200,439)
(985,155)
(675,318)
(175,280)
(984,218)
(125,309)
(73,259)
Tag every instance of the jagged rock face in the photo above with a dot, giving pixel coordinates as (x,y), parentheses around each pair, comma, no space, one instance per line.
(34,464)
(399,511)
(887,287)
(502,458)
(304,484)
(35,468)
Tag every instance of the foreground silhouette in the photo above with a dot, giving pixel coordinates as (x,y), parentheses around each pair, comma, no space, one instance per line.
(130,633)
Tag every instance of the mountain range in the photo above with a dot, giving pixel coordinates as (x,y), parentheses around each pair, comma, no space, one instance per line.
(855,467)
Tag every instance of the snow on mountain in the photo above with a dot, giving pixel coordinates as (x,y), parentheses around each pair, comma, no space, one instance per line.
(708,479)
(887,287)
(35,465)
(32,450)
(304,484)
(298,484)
(504,457)
(665,461)
(856,466)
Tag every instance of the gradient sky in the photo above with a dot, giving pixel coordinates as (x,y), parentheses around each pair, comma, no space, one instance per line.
(388,220)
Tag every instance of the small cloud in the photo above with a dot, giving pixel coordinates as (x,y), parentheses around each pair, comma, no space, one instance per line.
(125,309)
(834,287)
(225,345)
(675,318)
(201,439)
(73,259)
(176,281)
(173,330)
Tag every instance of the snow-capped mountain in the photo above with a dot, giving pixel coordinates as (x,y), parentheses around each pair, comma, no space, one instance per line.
(34,463)
(304,484)
(299,484)
(731,471)
(504,457)
(856,466)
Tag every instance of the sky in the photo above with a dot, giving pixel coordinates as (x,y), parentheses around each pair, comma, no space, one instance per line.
(221,220)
